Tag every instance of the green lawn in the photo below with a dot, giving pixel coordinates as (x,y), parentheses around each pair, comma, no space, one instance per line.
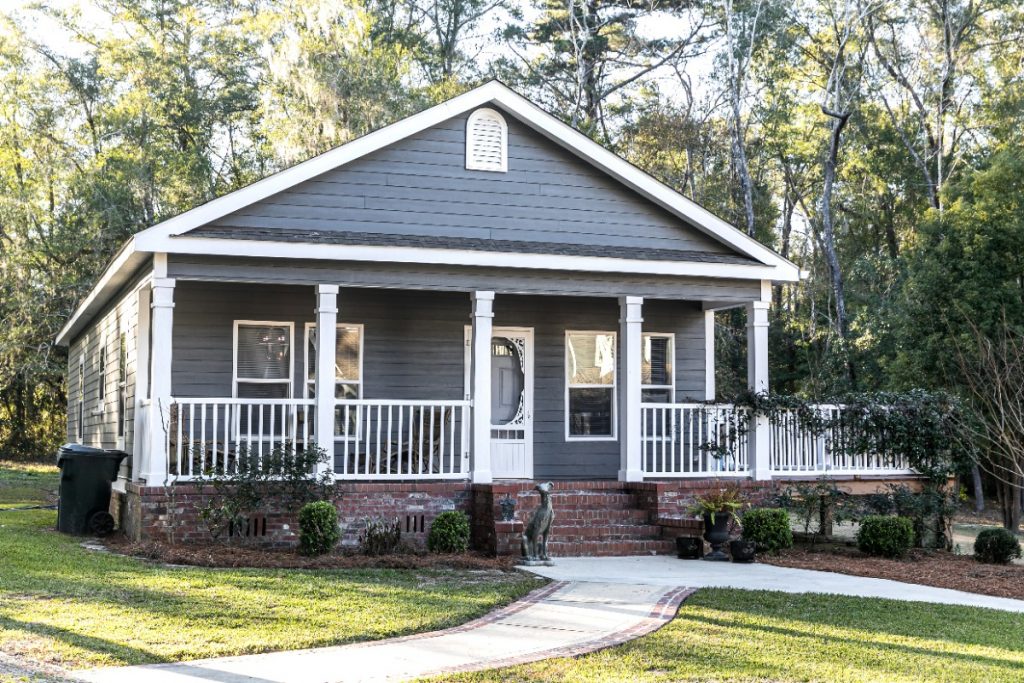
(733,635)
(63,604)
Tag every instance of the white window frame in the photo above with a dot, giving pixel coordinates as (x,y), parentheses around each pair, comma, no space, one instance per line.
(80,427)
(121,408)
(310,384)
(614,386)
(101,371)
(487,112)
(291,356)
(672,361)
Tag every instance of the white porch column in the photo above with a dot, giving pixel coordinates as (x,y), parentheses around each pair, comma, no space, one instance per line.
(709,355)
(757,382)
(483,323)
(631,321)
(326,335)
(154,469)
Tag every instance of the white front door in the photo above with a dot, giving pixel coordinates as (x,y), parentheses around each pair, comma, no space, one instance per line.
(511,400)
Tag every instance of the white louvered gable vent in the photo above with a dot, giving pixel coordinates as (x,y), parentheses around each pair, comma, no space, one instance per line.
(486,141)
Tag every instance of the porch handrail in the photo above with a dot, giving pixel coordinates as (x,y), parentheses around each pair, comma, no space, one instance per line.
(692,439)
(402,439)
(208,434)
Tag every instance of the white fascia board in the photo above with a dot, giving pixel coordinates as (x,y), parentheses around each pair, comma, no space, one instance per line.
(113,278)
(465,257)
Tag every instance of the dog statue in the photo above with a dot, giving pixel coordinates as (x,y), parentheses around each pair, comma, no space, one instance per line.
(535,536)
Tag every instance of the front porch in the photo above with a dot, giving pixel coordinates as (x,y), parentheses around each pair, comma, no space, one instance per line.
(510,387)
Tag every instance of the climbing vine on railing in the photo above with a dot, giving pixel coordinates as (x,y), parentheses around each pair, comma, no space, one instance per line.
(917,427)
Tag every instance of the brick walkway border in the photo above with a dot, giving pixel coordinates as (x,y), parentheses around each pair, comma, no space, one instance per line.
(663,612)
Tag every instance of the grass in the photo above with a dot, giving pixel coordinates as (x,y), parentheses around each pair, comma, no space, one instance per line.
(63,604)
(734,635)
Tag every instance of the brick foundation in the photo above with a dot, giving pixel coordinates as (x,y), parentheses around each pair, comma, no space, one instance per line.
(591,517)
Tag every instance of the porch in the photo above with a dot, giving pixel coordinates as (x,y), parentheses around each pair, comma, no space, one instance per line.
(236,369)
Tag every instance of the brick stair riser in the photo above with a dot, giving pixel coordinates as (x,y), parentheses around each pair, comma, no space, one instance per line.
(601,516)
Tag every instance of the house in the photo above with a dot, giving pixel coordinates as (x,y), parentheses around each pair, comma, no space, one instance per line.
(471,299)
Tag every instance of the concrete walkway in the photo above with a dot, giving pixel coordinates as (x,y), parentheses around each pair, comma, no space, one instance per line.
(559,620)
(669,571)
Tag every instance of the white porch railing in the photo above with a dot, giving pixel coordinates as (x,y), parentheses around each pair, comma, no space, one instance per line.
(795,449)
(712,440)
(374,439)
(693,440)
(386,439)
(207,434)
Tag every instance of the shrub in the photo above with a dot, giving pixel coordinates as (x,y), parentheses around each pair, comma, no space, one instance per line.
(380,536)
(318,528)
(449,533)
(996,546)
(768,528)
(885,536)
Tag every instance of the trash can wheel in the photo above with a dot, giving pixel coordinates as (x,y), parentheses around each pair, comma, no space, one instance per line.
(101,523)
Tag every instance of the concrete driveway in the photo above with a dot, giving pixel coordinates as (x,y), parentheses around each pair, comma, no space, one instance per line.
(669,571)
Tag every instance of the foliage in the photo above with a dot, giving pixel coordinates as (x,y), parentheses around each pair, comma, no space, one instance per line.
(885,535)
(996,546)
(380,536)
(318,528)
(930,510)
(819,503)
(106,609)
(740,635)
(915,427)
(725,500)
(768,528)
(449,533)
(284,479)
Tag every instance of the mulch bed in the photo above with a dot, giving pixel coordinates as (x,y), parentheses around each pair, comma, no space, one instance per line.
(925,567)
(235,557)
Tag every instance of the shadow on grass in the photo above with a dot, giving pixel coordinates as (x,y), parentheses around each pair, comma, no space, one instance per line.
(122,653)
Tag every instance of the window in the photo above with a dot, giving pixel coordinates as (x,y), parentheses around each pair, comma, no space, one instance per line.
(590,369)
(101,390)
(348,367)
(263,359)
(486,141)
(80,426)
(656,368)
(122,383)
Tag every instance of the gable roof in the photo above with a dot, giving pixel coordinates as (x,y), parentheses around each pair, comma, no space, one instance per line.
(179,234)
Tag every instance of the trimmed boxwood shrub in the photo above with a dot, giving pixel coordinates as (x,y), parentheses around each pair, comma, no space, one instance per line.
(996,546)
(318,528)
(885,536)
(449,533)
(768,528)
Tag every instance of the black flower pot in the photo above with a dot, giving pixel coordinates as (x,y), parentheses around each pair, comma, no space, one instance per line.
(717,534)
(689,548)
(742,551)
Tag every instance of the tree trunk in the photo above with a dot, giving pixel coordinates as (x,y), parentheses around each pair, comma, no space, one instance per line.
(839,121)
(979,490)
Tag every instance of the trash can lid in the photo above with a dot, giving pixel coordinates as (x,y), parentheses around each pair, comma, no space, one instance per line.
(80,449)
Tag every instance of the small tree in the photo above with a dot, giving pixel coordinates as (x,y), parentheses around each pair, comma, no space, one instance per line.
(992,373)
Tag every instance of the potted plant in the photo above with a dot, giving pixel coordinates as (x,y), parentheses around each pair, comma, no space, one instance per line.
(719,512)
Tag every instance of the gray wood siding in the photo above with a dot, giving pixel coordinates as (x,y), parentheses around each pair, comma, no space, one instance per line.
(459,278)
(414,349)
(100,423)
(420,186)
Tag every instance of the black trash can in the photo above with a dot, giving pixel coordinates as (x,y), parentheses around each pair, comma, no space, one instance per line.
(85,478)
